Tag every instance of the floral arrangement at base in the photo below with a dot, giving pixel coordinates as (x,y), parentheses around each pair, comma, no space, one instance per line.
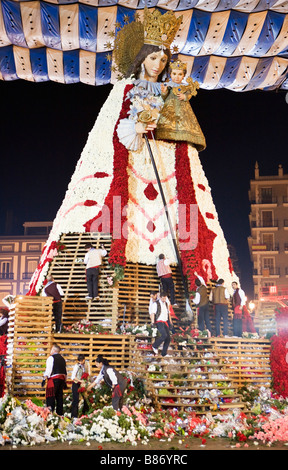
(278,353)
(28,423)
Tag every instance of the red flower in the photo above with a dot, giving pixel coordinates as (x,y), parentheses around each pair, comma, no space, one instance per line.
(203,244)
(151,226)
(100,174)
(241,437)
(118,187)
(150,192)
(90,203)
(278,355)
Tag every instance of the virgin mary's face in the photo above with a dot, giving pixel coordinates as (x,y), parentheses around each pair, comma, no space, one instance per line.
(154,64)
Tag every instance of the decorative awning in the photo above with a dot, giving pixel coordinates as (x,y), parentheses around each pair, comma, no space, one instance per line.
(238,45)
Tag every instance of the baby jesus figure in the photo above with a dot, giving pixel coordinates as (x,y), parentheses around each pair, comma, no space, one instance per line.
(177,120)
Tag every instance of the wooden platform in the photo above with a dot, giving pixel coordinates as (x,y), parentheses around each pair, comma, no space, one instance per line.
(129,299)
(203,377)
(188,379)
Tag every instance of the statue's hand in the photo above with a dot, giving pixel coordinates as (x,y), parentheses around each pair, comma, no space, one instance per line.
(142,128)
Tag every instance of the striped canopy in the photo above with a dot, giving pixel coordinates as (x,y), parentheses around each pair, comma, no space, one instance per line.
(240,45)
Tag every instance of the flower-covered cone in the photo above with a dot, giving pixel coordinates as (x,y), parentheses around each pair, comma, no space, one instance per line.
(114,190)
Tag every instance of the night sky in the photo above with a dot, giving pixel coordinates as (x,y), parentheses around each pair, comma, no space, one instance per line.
(44,127)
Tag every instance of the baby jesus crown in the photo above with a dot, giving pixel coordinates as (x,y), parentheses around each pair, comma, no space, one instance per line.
(179,65)
(160,30)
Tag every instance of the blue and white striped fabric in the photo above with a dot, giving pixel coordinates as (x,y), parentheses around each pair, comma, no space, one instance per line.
(239,45)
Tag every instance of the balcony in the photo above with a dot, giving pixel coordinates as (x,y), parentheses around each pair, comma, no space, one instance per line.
(266,272)
(27,276)
(264,247)
(272,224)
(6,276)
(273,291)
(271,200)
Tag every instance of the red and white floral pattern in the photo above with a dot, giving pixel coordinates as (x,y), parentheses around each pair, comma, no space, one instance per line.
(107,173)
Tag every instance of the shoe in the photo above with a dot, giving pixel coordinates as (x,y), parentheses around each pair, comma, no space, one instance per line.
(88,297)
(97,298)
(155,351)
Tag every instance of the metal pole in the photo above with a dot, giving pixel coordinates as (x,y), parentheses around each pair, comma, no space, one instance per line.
(169,220)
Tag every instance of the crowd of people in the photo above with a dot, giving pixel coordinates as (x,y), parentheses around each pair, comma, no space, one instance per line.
(55,382)
(162,316)
(162,301)
(161,307)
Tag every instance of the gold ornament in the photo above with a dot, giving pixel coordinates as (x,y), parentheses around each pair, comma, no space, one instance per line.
(128,43)
(191,88)
(160,30)
(178,65)
(156,29)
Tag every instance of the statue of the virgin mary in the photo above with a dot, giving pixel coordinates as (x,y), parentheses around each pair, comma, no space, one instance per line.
(114,188)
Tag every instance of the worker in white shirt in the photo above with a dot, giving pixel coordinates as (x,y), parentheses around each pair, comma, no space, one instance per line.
(93,261)
(160,315)
(54,290)
(116,381)
(55,374)
(81,368)
(154,296)
(238,302)
(165,275)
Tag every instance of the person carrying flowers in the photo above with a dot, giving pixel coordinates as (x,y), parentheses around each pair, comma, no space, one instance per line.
(113,379)
(80,375)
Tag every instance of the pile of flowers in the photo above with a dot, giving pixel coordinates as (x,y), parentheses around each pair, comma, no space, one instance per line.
(190,336)
(278,353)
(141,330)
(29,423)
(85,327)
(101,396)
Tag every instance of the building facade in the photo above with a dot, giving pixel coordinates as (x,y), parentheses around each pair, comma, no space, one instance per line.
(19,257)
(268,242)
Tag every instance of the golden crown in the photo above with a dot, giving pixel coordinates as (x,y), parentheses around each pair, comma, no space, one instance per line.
(160,30)
(179,65)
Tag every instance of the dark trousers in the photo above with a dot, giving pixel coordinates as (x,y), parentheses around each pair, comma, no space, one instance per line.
(164,337)
(118,398)
(203,317)
(168,286)
(221,311)
(92,277)
(57,399)
(57,314)
(75,401)
(237,327)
